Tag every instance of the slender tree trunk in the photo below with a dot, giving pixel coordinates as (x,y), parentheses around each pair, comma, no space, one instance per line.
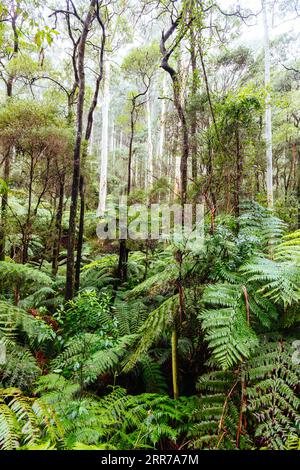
(162,127)
(77,150)
(268,111)
(6,173)
(4,204)
(104,144)
(194,112)
(130,151)
(239,174)
(180,111)
(123,251)
(58,226)
(87,138)
(80,233)
(149,165)
(174,346)
(27,225)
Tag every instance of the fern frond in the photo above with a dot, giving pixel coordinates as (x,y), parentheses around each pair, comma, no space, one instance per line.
(279,281)
(157,322)
(228,334)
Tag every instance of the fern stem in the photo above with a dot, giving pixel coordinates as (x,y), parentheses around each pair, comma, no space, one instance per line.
(174,342)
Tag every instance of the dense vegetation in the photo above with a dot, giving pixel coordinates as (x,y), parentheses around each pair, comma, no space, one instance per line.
(148,344)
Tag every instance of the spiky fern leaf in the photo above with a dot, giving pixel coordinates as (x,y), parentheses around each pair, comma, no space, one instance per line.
(289,248)
(215,422)
(24,421)
(14,320)
(152,375)
(20,369)
(158,322)
(279,281)
(292,443)
(159,283)
(271,392)
(260,224)
(24,277)
(228,333)
(99,273)
(87,356)
(130,315)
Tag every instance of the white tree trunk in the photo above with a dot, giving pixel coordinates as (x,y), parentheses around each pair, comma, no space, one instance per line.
(149,166)
(162,127)
(112,145)
(268,112)
(183,72)
(177,182)
(104,144)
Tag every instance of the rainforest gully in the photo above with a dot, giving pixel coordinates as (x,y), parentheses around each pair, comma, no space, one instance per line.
(169,321)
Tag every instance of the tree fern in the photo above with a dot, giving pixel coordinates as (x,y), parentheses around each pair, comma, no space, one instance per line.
(24,278)
(14,320)
(289,248)
(88,356)
(228,333)
(158,321)
(279,281)
(260,224)
(272,398)
(159,283)
(24,421)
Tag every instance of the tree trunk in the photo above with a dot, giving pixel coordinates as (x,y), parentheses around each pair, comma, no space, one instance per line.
(77,150)
(194,112)
(162,128)
(239,174)
(6,173)
(104,145)
(80,233)
(123,251)
(174,345)
(4,204)
(180,111)
(268,111)
(149,166)
(58,226)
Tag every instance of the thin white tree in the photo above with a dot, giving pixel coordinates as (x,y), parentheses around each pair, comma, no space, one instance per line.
(268,110)
(104,144)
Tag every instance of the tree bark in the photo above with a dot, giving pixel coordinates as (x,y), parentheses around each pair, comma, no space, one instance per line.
(194,112)
(58,226)
(239,174)
(6,173)
(104,145)
(162,128)
(149,166)
(166,54)
(88,133)
(77,150)
(268,110)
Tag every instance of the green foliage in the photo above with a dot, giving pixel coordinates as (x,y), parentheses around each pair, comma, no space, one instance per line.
(279,281)
(228,334)
(87,356)
(218,415)
(87,313)
(262,392)
(15,321)
(271,394)
(24,278)
(25,421)
(155,325)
